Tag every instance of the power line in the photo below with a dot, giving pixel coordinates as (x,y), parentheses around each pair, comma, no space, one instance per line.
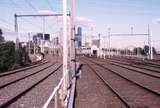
(49,4)
(33,8)
(29,3)
(17,6)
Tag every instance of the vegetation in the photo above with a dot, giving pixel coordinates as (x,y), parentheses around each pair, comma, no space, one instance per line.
(22,57)
(7,55)
(144,51)
(1,37)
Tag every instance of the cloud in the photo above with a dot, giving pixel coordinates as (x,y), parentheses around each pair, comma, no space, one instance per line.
(83,21)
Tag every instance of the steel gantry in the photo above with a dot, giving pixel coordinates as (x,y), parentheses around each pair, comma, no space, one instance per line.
(16,16)
(148,34)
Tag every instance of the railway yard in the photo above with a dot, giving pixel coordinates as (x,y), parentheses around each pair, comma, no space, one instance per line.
(103,83)
(118,83)
(79,54)
(30,87)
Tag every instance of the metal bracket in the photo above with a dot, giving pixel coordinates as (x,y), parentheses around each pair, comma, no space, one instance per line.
(73,39)
(73,60)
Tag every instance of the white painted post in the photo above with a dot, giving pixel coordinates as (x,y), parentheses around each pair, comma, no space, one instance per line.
(72,47)
(150,43)
(65,47)
(56,100)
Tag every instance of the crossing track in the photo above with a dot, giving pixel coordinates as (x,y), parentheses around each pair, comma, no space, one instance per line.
(10,92)
(133,93)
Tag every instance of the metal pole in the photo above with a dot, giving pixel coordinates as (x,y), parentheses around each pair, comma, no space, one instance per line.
(29,44)
(99,36)
(109,32)
(65,46)
(16,31)
(150,43)
(104,49)
(34,48)
(72,49)
(43,34)
(43,25)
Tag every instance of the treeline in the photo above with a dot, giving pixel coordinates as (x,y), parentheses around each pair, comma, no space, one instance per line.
(11,58)
(144,51)
(137,50)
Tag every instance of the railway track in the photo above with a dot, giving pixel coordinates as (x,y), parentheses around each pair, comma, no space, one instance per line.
(140,62)
(151,86)
(127,66)
(5,84)
(93,92)
(150,68)
(22,69)
(12,91)
(126,89)
(111,88)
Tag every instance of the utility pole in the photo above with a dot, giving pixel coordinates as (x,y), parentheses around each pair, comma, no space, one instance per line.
(109,47)
(131,30)
(16,31)
(104,53)
(72,49)
(34,46)
(150,43)
(65,52)
(42,43)
(99,36)
(29,44)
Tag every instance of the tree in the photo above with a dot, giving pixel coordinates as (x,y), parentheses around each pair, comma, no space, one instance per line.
(7,55)
(1,37)
(146,50)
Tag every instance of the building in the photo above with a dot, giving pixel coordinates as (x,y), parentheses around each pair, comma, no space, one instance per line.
(43,41)
(78,37)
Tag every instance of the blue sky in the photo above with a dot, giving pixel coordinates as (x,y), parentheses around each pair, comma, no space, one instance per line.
(119,15)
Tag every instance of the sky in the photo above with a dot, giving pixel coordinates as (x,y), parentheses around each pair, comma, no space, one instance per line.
(95,16)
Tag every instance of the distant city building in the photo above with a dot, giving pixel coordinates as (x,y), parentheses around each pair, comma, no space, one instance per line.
(43,41)
(78,36)
(56,41)
(46,36)
(96,43)
(40,35)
